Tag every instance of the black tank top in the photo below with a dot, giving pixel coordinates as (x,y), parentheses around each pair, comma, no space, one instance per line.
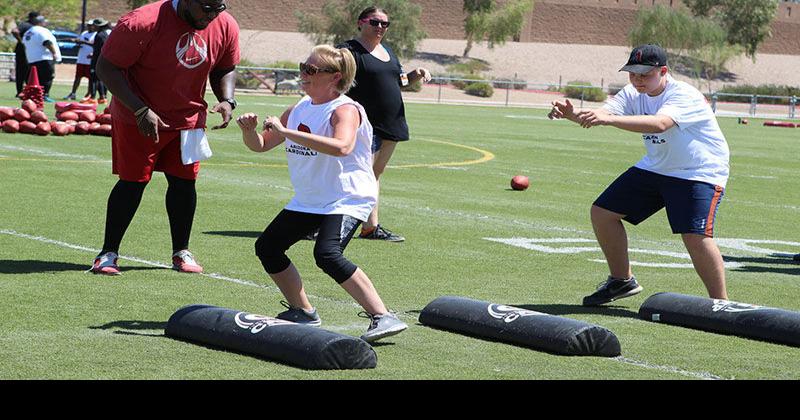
(377,89)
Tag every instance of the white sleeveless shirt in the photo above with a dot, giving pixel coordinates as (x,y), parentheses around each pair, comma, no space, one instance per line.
(325,184)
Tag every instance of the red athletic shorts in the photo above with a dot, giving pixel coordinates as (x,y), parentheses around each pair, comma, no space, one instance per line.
(83,70)
(134,157)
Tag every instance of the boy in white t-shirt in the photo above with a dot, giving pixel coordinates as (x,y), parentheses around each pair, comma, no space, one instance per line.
(685,170)
(84,61)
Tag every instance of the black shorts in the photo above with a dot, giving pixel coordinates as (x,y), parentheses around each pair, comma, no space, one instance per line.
(638,194)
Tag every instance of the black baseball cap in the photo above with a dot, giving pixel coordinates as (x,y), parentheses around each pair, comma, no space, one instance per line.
(644,58)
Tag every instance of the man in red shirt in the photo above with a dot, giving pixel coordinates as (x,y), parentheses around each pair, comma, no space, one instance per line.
(156,62)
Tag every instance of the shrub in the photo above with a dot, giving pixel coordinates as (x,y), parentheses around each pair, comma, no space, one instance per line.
(614,88)
(482,89)
(462,84)
(415,86)
(473,66)
(7,45)
(244,79)
(575,90)
(283,65)
(444,79)
(510,83)
(768,90)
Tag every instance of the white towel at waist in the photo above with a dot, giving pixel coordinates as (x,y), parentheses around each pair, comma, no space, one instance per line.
(194,146)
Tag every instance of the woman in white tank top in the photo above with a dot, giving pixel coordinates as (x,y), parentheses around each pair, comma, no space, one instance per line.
(327,138)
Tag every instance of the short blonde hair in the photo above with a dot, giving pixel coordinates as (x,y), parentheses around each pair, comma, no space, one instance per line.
(339,59)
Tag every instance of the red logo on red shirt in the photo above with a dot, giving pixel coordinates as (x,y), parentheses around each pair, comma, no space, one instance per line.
(191,50)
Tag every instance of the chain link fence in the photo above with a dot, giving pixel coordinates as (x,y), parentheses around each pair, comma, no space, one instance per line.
(519,93)
(498,92)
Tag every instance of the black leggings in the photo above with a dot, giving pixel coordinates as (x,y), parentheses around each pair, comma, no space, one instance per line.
(21,69)
(289,227)
(124,200)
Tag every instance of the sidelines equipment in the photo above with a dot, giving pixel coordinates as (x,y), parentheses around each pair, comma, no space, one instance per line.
(779,124)
(33,90)
(520,326)
(723,316)
(271,338)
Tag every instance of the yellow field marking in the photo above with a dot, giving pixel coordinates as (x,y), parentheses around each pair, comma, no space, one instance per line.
(485,157)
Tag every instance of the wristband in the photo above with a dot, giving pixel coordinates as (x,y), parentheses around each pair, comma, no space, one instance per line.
(141,111)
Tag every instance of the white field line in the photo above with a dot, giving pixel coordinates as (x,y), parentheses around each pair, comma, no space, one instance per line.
(671,369)
(216,276)
(50,153)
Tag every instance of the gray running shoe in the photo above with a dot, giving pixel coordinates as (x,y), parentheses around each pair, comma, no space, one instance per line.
(382,326)
(299,315)
(611,290)
(382,234)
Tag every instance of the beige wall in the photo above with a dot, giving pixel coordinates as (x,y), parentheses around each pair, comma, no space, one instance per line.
(598,22)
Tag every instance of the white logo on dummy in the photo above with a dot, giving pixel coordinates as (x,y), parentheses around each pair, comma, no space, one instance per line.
(256,323)
(509,313)
(728,306)
(191,50)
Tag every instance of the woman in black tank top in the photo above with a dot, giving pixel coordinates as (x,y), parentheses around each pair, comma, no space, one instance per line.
(379,77)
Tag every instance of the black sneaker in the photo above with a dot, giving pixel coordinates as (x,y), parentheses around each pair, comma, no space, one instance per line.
(383,234)
(611,290)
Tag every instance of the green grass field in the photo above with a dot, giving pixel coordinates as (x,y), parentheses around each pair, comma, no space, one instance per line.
(446,191)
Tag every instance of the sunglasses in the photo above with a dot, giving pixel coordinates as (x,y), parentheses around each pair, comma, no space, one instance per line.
(209,9)
(311,69)
(376,22)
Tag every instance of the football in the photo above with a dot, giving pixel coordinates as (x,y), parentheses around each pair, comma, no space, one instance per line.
(520,183)
(11,126)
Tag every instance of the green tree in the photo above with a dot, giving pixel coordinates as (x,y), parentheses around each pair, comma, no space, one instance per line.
(63,9)
(702,40)
(747,22)
(486,21)
(675,30)
(338,23)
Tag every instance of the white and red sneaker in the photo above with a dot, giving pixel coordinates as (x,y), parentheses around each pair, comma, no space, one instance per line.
(184,262)
(106,264)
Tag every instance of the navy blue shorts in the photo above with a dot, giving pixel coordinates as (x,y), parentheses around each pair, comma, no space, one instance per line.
(638,194)
(377,142)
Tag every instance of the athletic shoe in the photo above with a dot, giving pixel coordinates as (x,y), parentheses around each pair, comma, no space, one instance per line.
(106,264)
(88,101)
(611,290)
(299,315)
(797,257)
(184,262)
(49,99)
(70,96)
(101,101)
(383,234)
(382,326)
